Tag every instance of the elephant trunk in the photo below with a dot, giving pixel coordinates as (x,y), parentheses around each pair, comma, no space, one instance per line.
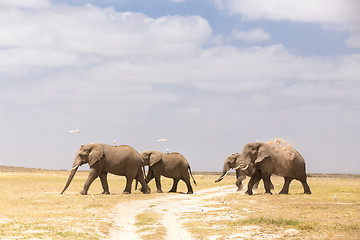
(224,173)
(71,176)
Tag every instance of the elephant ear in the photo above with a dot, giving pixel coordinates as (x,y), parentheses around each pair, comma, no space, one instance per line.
(95,154)
(233,159)
(263,152)
(155,157)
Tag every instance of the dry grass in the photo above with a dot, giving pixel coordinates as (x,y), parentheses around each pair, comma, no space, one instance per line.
(31,207)
(293,216)
(149,226)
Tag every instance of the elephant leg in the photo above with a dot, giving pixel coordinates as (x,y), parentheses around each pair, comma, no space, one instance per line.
(144,187)
(150,175)
(174,187)
(239,178)
(128,185)
(93,174)
(267,183)
(158,184)
(239,184)
(285,189)
(306,187)
(104,182)
(255,178)
(190,190)
(256,185)
(189,187)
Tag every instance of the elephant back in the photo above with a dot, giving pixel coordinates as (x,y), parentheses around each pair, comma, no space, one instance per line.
(176,157)
(122,152)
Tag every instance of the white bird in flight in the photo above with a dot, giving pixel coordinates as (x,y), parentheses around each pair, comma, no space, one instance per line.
(74,131)
(163,140)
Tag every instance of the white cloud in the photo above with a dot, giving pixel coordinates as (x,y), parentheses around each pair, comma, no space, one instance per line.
(254,35)
(24,3)
(332,11)
(340,15)
(94,31)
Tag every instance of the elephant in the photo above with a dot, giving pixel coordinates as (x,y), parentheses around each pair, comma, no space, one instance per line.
(120,160)
(261,159)
(172,165)
(230,162)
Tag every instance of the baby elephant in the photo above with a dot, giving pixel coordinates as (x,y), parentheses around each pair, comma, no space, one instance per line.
(171,165)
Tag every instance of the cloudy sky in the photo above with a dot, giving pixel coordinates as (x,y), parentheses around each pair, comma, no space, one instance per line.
(209,75)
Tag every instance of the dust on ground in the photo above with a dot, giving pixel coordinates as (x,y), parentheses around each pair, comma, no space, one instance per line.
(171,208)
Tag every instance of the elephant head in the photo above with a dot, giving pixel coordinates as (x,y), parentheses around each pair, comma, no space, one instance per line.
(151,157)
(90,153)
(252,154)
(230,162)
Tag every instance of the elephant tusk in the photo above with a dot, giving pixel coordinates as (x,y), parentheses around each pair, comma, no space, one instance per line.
(74,167)
(245,167)
(222,177)
(237,167)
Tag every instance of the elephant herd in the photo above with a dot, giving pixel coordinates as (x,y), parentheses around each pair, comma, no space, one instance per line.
(258,160)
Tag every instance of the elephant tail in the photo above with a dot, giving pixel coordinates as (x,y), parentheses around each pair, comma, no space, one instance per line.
(192,176)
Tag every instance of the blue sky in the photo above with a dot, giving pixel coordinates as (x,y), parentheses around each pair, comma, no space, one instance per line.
(209,75)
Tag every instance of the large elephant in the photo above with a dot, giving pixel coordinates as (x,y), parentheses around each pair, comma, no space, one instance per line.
(230,162)
(103,159)
(260,159)
(171,165)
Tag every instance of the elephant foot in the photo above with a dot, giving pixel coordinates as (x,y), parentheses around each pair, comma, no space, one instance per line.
(172,191)
(83,192)
(191,192)
(105,192)
(126,192)
(268,193)
(283,192)
(249,192)
(309,192)
(159,191)
(147,191)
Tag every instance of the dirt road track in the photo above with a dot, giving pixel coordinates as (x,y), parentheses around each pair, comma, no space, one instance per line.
(170,207)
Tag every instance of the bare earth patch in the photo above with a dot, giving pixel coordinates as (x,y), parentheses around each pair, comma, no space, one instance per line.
(171,209)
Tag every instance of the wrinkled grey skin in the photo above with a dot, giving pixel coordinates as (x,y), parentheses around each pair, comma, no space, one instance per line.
(260,160)
(230,162)
(103,159)
(171,165)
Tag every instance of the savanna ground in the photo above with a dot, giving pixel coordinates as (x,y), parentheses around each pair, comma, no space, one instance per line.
(32,208)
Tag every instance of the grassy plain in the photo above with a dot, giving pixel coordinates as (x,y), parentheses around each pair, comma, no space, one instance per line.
(31,207)
(332,211)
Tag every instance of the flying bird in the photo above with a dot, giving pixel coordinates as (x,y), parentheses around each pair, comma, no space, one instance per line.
(163,140)
(74,131)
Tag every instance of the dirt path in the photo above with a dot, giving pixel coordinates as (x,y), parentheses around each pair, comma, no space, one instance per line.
(170,207)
